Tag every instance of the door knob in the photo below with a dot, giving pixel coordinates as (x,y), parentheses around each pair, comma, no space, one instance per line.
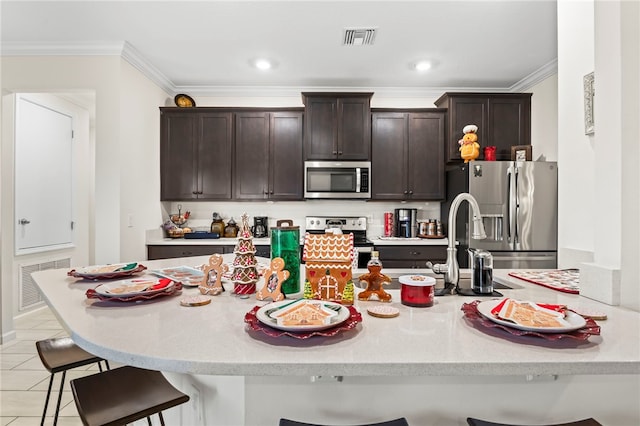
(24,222)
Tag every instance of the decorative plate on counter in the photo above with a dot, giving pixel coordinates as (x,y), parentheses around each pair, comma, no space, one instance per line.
(574,320)
(256,325)
(472,314)
(137,297)
(189,277)
(130,288)
(105,272)
(265,316)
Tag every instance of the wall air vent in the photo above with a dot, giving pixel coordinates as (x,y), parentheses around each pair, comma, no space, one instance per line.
(359,36)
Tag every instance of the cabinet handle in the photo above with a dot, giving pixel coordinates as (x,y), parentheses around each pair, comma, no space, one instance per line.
(271,192)
(410,192)
(335,152)
(194,192)
(186,253)
(406,192)
(339,152)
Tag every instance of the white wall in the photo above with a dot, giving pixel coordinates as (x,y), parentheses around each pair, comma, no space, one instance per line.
(576,159)
(544,119)
(598,191)
(139,189)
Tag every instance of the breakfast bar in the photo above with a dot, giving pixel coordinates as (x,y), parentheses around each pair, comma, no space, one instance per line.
(433,365)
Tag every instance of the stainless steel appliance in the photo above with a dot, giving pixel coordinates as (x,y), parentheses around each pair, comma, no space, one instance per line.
(337,179)
(260,228)
(406,223)
(518,202)
(348,225)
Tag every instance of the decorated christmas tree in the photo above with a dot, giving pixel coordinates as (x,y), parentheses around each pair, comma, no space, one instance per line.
(245,271)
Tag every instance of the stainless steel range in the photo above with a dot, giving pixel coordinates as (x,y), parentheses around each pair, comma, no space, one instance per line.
(348,225)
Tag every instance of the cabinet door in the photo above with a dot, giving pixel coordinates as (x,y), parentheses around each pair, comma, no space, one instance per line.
(425,160)
(285,156)
(170,251)
(509,123)
(321,129)
(411,256)
(251,165)
(354,128)
(388,155)
(178,153)
(214,156)
(463,111)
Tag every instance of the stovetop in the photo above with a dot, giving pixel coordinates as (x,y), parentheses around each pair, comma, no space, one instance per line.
(348,224)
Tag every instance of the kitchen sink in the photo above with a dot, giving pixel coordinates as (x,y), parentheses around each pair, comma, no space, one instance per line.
(463,282)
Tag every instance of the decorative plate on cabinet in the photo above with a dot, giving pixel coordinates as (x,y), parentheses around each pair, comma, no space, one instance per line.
(184,101)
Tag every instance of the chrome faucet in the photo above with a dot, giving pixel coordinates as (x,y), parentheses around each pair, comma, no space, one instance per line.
(451,270)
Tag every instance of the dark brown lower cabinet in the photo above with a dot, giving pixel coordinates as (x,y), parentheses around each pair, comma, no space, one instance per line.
(155,252)
(411,256)
(167,252)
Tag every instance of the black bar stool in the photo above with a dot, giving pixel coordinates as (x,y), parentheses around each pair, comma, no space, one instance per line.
(59,355)
(585,422)
(124,395)
(396,422)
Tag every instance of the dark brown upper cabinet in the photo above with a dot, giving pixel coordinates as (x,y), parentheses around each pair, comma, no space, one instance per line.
(407,159)
(195,154)
(268,156)
(503,120)
(337,126)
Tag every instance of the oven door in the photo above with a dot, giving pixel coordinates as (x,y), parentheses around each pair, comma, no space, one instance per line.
(363,256)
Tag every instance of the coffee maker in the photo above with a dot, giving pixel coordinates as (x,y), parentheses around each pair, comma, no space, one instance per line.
(406,223)
(260,227)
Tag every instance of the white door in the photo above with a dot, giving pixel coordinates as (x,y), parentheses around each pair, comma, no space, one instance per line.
(43,177)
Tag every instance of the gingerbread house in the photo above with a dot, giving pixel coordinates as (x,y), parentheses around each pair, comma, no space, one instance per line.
(328,262)
(305,312)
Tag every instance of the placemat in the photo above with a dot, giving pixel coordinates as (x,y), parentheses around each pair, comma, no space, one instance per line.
(565,280)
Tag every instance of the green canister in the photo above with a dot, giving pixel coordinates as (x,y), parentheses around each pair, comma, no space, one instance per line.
(285,243)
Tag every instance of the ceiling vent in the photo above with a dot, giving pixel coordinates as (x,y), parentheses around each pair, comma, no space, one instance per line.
(358,36)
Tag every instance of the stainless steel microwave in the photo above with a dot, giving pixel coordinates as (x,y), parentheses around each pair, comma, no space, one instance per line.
(337,179)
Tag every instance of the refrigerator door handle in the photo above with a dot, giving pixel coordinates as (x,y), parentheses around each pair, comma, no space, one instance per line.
(510,205)
(516,233)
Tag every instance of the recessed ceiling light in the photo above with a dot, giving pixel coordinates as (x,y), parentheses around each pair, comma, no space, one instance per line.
(422,65)
(262,64)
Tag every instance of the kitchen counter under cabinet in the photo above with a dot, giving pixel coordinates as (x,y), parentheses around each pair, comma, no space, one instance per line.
(233,374)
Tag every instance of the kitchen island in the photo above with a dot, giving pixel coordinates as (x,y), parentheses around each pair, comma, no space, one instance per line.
(426,362)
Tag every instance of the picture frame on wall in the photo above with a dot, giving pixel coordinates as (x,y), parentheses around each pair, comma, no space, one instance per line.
(521,153)
(588,83)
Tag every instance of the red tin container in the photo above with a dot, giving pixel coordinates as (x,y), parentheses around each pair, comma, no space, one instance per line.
(388,224)
(417,290)
(489,153)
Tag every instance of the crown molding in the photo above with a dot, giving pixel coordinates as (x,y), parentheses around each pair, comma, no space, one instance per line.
(542,73)
(140,63)
(127,52)
(88,48)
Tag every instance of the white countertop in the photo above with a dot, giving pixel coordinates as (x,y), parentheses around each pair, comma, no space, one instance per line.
(213,339)
(159,239)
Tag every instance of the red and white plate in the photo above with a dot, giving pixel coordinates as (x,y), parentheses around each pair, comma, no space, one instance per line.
(129,288)
(574,321)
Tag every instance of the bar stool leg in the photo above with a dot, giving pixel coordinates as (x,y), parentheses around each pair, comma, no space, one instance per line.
(55,419)
(46,402)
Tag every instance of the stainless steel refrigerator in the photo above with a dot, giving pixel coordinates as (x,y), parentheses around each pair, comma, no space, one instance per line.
(519,205)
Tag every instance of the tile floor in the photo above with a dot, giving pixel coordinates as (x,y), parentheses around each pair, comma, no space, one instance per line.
(24,381)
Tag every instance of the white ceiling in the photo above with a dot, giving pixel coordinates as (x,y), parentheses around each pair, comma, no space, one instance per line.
(201,46)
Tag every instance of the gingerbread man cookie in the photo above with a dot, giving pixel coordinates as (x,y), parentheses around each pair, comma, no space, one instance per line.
(212,281)
(273,280)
